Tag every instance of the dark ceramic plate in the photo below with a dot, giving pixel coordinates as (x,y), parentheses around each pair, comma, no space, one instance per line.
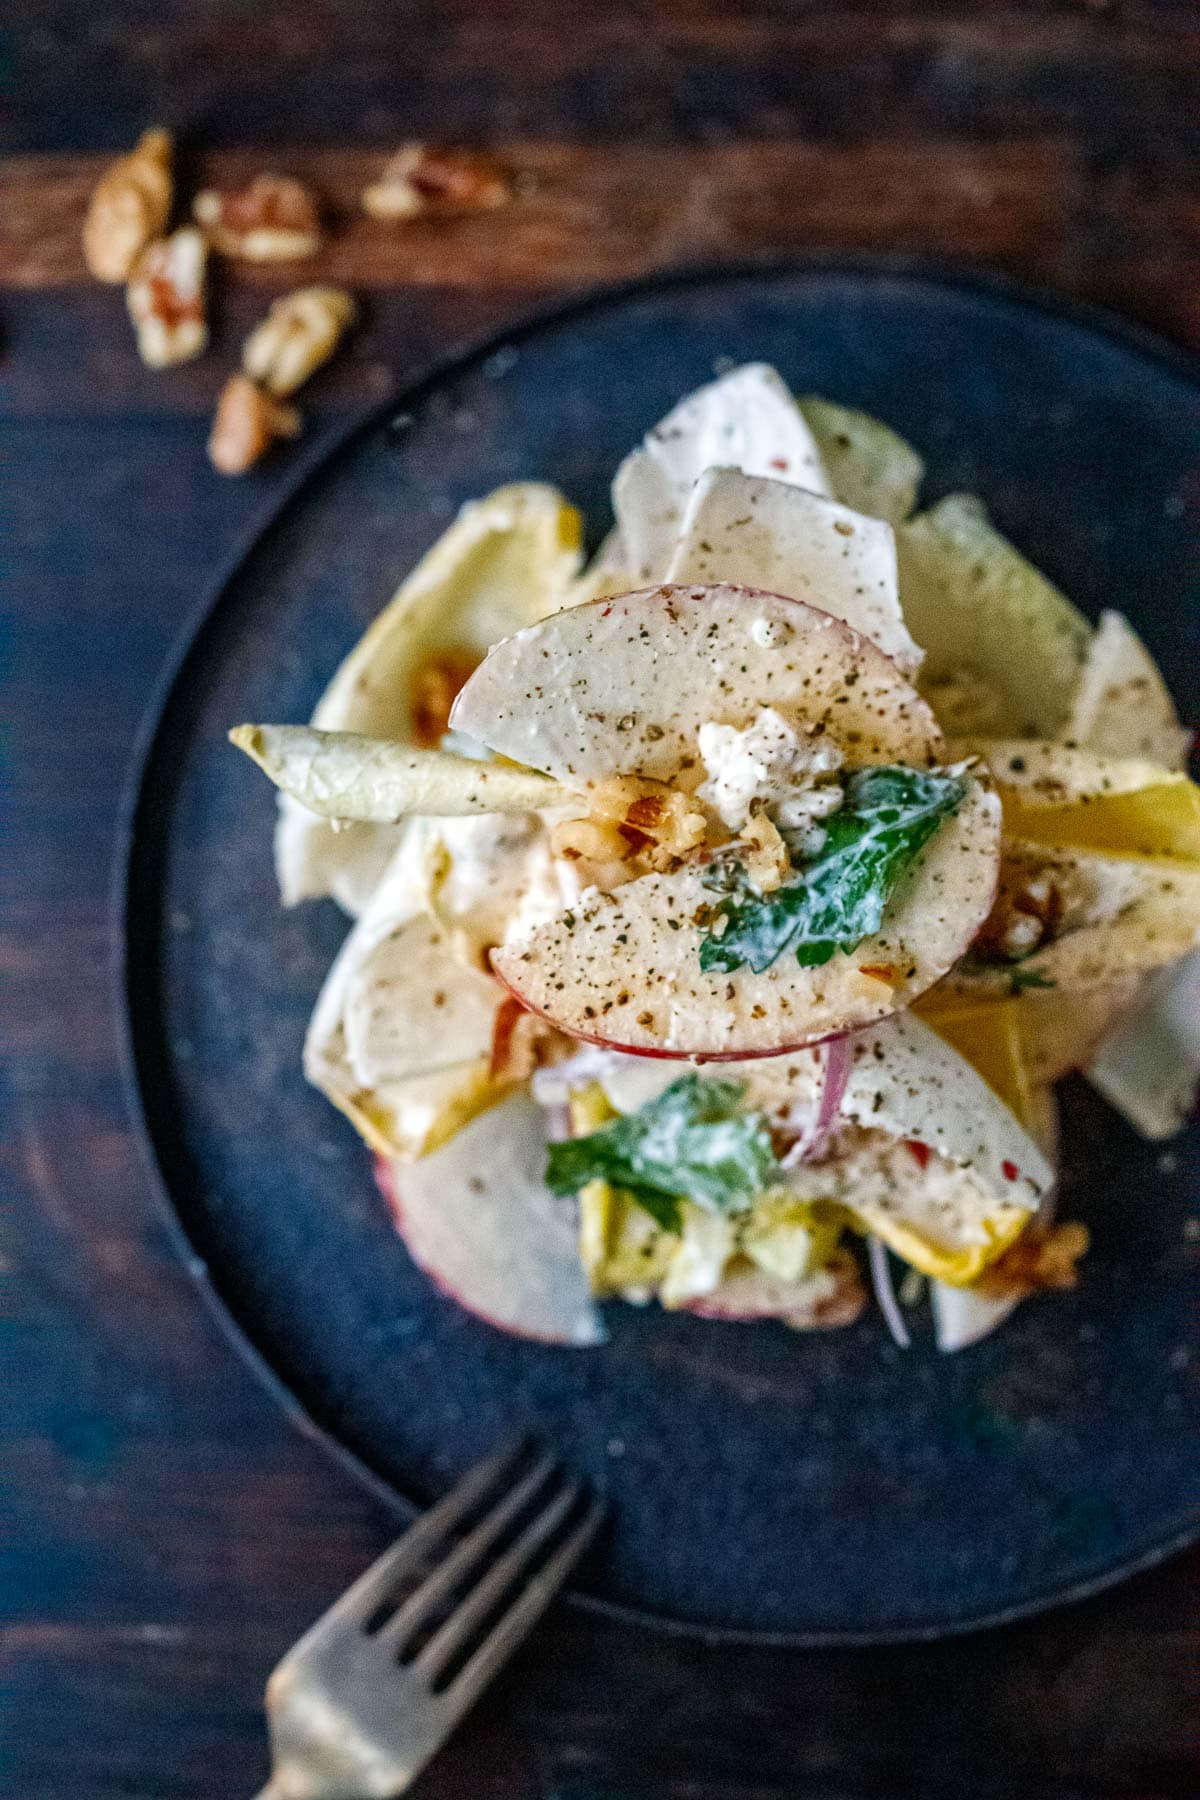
(816,1488)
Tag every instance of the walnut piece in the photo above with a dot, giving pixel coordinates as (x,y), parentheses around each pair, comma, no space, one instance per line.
(1044,1256)
(433,691)
(166,298)
(274,219)
(300,332)
(766,858)
(423,178)
(129,207)
(246,424)
(1028,912)
(657,823)
(634,825)
(590,841)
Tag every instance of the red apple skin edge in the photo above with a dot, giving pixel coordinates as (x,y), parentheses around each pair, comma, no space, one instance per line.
(720,1056)
(386,1183)
(698,1310)
(703,1056)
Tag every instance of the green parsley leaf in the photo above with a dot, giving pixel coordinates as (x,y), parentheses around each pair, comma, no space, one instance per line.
(838,900)
(1028,978)
(690,1143)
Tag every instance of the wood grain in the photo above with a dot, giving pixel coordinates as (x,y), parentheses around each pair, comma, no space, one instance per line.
(1031,205)
(170,1530)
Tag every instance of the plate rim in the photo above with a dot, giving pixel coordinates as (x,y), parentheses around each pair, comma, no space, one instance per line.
(129,971)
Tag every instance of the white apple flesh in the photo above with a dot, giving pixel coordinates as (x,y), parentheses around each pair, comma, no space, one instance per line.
(754,532)
(622,686)
(624,970)
(479,1220)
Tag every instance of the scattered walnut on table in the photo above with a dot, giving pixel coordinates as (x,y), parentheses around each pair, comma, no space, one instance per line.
(129,207)
(247,423)
(300,332)
(166,298)
(424,178)
(274,219)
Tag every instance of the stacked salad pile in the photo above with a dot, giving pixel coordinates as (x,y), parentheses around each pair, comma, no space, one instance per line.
(733,903)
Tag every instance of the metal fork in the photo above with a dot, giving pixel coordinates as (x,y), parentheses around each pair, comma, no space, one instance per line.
(357,1708)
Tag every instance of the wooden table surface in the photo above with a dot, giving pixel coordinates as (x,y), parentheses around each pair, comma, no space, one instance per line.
(170,1531)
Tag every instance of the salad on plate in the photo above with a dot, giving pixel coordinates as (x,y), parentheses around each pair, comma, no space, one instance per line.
(726,908)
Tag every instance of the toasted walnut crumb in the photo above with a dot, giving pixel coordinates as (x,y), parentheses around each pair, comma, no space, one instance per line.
(423,178)
(300,332)
(129,207)
(766,858)
(866,985)
(247,423)
(658,824)
(1042,1257)
(588,840)
(166,298)
(274,219)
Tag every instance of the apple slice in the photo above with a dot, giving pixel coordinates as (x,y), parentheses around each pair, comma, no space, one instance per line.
(748,419)
(622,686)
(477,1217)
(906,1081)
(767,534)
(623,969)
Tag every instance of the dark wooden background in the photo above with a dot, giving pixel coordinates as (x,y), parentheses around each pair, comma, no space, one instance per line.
(167,1532)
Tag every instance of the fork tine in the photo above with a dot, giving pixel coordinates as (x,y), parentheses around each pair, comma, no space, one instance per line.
(480,1602)
(523,1614)
(374,1586)
(441,1582)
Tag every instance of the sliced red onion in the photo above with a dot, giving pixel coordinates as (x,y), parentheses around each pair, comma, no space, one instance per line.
(811,1146)
(885,1293)
(558,1123)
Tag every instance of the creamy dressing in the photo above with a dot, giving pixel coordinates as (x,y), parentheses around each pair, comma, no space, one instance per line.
(496,876)
(772,763)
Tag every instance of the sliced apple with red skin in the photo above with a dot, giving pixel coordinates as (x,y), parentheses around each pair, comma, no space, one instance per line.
(624,968)
(477,1217)
(622,686)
